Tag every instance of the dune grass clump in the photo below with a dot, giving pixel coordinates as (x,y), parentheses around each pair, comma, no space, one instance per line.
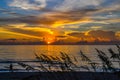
(49,63)
(84,58)
(107,60)
(64,62)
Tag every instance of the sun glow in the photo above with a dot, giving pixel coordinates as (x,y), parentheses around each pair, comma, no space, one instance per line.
(49,39)
(48,42)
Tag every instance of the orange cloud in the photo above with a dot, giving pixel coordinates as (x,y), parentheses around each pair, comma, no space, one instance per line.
(57,19)
(94,35)
(102,35)
(118,35)
(4,33)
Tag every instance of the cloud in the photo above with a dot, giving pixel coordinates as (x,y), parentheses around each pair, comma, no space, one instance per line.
(61,37)
(31,32)
(77,4)
(52,18)
(9,33)
(95,35)
(98,25)
(9,12)
(66,20)
(77,34)
(12,39)
(118,35)
(28,5)
(102,35)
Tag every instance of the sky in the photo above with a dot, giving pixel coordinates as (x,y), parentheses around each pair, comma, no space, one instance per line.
(63,20)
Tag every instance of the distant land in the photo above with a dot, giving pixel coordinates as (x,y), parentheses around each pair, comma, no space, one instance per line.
(61,43)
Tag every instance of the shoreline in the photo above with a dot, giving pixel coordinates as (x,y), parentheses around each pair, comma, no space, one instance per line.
(59,75)
(54,44)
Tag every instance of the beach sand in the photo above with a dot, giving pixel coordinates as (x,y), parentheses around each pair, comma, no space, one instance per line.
(59,76)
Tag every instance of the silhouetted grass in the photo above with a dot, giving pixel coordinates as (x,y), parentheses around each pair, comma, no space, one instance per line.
(106,60)
(66,63)
(63,63)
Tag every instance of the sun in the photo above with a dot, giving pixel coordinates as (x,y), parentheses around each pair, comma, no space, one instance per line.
(49,39)
(48,42)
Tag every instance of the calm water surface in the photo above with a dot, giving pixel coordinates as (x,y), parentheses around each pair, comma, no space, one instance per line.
(27,51)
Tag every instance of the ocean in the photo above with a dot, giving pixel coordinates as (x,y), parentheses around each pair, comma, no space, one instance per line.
(27,52)
(12,52)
